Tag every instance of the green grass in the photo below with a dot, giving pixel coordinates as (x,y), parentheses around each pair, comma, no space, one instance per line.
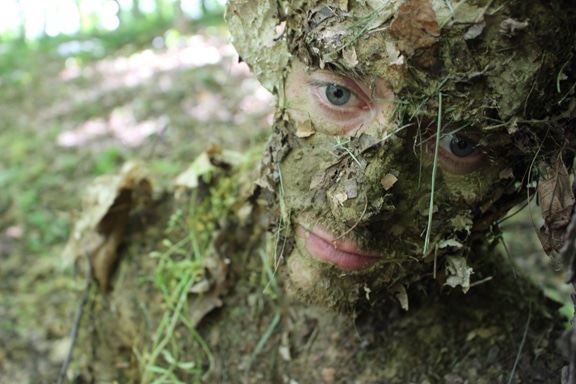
(182,264)
(433,181)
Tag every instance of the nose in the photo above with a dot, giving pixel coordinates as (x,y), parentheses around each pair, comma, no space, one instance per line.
(359,184)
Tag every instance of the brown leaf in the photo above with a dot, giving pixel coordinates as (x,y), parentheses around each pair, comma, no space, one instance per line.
(305,129)
(205,295)
(324,177)
(415,26)
(102,224)
(388,181)
(556,201)
(111,229)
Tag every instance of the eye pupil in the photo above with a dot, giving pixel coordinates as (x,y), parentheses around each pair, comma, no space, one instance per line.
(461,146)
(337,95)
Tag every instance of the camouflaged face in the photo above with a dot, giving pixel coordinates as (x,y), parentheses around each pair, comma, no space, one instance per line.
(502,68)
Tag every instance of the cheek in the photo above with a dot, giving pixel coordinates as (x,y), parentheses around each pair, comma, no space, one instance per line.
(303,274)
(303,113)
(472,188)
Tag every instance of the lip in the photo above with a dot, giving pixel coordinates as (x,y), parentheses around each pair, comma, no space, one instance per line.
(343,253)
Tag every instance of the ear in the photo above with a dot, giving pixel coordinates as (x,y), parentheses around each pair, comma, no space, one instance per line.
(556,198)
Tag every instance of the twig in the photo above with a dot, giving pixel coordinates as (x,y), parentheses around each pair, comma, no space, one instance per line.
(77,318)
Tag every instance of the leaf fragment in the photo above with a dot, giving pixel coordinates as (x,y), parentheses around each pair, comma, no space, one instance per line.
(102,224)
(388,181)
(350,57)
(417,34)
(305,129)
(458,272)
(557,201)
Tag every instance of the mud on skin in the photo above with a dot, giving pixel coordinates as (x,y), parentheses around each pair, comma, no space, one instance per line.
(376,99)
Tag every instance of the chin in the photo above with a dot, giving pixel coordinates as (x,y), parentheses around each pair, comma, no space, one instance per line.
(321,284)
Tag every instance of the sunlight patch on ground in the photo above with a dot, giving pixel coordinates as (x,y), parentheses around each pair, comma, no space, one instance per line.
(160,67)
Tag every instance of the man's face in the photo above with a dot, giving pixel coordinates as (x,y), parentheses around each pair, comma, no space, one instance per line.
(356,188)
(384,178)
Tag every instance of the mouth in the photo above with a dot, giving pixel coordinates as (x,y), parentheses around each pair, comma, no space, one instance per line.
(343,253)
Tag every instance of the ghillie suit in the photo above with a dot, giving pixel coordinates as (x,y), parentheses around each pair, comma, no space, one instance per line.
(476,116)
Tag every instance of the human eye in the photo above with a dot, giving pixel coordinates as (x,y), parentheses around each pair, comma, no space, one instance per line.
(337,95)
(340,100)
(459,154)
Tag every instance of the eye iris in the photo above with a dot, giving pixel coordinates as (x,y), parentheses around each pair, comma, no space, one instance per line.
(461,147)
(337,95)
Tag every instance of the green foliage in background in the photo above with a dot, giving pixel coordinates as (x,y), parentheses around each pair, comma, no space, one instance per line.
(22,57)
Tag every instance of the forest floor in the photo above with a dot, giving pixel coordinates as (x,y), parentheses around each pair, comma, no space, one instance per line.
(65,122)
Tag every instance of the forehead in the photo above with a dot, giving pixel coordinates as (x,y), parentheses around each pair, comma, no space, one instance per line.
(349,39)
(502,54)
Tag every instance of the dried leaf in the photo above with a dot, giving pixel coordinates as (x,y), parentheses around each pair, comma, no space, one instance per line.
(102,224)
(510,26)
(305,129)
(460,222)
(474,31)
(458,272)
(399,291)
(351,188)
(450,243)
(366,141)
(339,198)
(416,30)
(349,56)
(189,179)
(557,203)
(388,181)
(318,16)
(253,23)
(506,173)
(325,177)
(211,289)
(468,14)
(111,230)
(204,166)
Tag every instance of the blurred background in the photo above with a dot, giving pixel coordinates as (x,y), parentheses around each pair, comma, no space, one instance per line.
(86,85)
